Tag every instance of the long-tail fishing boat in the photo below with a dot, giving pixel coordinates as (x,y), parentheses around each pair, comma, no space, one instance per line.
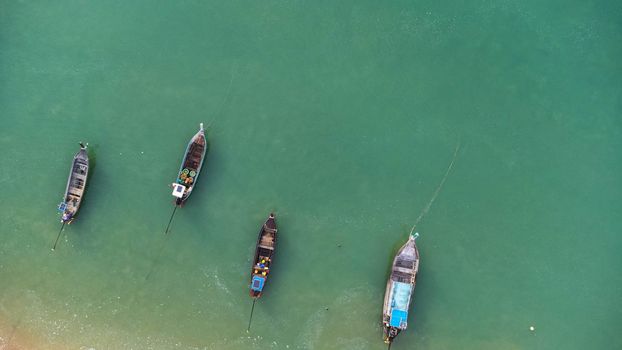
(264,252)
(190,167)
(400,287)
(76,184)
(260,268)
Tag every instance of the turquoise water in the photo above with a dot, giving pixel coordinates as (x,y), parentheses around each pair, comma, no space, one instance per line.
(341,118)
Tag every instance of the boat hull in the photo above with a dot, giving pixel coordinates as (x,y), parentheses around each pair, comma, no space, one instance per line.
(264,253)
(76,186)
(191,166)
(399,290)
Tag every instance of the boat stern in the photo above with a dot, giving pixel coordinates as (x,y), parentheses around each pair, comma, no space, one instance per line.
(390,333)
(257,284)
(66,218)
(179,192)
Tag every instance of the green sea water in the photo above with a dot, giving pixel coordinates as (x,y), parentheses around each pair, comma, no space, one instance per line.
(341,117)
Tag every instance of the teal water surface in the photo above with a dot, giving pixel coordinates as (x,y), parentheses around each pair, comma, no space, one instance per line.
(341,117)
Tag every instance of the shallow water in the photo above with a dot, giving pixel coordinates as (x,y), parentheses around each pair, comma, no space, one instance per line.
(341,118)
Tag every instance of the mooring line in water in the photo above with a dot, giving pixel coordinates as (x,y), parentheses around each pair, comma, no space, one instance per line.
(224,101)
(170,220)
(227,95)
(57,237)
(425,210)
(250,319)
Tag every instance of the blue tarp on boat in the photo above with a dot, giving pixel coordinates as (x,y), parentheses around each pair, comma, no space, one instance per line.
(257,283)
(399,303)
(398,317)
(401,295)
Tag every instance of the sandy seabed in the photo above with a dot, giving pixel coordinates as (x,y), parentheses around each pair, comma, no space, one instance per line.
(14,337)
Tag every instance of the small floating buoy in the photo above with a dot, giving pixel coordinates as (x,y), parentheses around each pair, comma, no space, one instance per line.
(532,328)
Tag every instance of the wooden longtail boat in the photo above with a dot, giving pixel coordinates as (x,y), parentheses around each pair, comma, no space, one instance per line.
(400,287)
(76,184)
(190,167)
(260,269)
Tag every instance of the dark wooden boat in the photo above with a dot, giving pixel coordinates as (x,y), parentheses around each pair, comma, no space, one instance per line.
(262,263)
(400,288)
(76,184)
(190,167)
